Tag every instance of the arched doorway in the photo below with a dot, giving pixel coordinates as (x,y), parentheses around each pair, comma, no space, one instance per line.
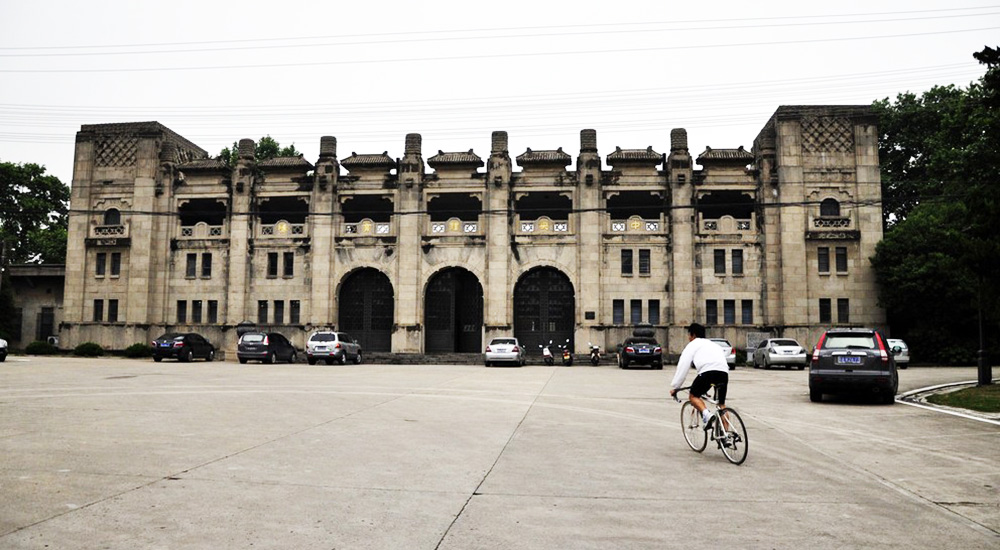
(544,309)
(366,309)
(453,312)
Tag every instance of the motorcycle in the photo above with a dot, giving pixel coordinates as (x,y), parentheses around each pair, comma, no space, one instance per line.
(547,354)
(595,354)
(567,355)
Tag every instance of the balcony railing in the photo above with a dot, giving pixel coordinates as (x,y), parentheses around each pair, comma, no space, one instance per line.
(202,230)
(454,226)
(829,222)
(368,228)
(727,225)
(636,224)
(543,226)
(110,231)
(283,229)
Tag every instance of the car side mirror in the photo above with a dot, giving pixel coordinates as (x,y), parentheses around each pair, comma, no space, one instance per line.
(896,350)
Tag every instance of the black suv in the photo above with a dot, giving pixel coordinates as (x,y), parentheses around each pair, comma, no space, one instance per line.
(849,361)
(266,347)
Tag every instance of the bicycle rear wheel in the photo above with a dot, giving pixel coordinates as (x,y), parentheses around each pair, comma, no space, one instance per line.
(695,436)
(734,443)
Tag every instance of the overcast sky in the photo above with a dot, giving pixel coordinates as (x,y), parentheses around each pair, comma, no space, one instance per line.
(371,72)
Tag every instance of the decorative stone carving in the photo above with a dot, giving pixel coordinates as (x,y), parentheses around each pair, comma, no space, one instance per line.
(115,152)
(827,134)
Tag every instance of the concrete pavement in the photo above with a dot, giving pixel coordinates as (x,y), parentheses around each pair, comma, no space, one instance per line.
(116,453)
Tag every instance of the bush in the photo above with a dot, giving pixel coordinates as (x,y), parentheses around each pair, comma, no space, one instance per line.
(89,349)
(138,350)
(41,348)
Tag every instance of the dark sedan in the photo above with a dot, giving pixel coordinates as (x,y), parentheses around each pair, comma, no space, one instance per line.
(266,347)
(640,350)
(183,347)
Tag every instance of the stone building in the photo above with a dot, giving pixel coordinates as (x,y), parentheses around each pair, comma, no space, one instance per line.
(415,255)
(38,299)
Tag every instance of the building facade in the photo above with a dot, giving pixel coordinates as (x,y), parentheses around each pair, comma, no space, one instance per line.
(435,255)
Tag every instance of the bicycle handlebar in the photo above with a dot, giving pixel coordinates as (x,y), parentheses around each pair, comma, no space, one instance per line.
(677,399)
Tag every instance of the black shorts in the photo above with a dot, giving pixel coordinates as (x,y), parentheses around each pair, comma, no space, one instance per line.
(704,381)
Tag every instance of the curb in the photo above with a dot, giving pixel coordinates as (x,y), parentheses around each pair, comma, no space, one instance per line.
(918,398)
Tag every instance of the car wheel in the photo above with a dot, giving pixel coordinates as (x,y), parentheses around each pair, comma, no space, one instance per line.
(888,399)
(189,356)
(294,358)
(767,364)
(357,358)
(211,355)
(270,358)
(657,366)
(903,366)
(801,367)
(342,359)
(243,360)
(311,361)
(487,363)
(157,359)
(624,363)
(815,395)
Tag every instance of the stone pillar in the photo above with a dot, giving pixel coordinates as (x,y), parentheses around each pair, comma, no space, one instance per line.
(241,228)
(409,292)
(591,222)
(498,288)
(869,199)
(323,228)
(683,293)
(788,295)
(146,232)
(77,233)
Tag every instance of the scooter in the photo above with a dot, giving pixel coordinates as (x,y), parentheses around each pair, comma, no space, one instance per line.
(595,354)
(547,354)
(567,355)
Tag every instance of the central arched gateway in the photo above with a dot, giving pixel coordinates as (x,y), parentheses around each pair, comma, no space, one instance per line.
(544,309)
(366,309)
(453,312)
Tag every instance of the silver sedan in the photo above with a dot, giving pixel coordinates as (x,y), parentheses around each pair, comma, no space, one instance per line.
(779,351)
(504,350)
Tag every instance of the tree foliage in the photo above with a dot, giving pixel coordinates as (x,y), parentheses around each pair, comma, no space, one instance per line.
(938,262)
(34,214)
(265,148)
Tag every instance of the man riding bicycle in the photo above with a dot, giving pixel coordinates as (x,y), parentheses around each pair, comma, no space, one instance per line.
(712,368)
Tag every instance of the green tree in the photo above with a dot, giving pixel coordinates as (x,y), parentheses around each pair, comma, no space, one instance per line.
(34,214)
(265,148)
(938,261)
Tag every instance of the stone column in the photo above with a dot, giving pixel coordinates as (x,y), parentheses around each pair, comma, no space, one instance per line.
(590,226)
(145,232)
(241,228)
(789,300)
(77,233)
(498,288)
(322,230)
(683,293)
(409,292)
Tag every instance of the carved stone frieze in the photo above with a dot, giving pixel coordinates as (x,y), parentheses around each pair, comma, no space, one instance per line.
(827,134)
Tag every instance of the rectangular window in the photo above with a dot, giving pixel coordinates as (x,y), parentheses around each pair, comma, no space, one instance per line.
(182,311)
(272,265)
(196,311)
(294,311)
(213,311)
(654,312)
(636,311)
(737,262)
(98,311)
(192,265)
(102,261)
(823,254)
(711,312)
(279,312)
(289,262)
(116,264)
(843,310)
(841,259)
(720,262)
(618,312)
(206,265)
(626,262)
(825,315)
(112,311)
(747,312)
(262,311)
(644,261)
(729,311)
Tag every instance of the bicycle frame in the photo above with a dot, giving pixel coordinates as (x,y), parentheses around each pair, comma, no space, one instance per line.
(727,428)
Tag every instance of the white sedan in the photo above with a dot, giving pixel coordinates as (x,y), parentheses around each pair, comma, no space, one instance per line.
(728,349)
(900,351)
(504,350)
(779,351)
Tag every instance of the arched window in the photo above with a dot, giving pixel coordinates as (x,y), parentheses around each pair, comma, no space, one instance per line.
(829,207)
(112,217)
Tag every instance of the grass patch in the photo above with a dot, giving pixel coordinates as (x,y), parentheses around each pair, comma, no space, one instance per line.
(977,398)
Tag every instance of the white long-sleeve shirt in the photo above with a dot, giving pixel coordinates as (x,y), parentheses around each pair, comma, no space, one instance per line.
(704,354)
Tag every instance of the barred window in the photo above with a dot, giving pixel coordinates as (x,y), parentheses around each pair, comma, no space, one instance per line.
(294,310)
(206,265)
(196,311)
(182,311)
(729,311)
(636,309)
(192,265)
(747,312)
(644,261)
(711,312)
(843,310)
(100,264)
(825,315)
(98,311)
(116,264)
(272,265)
(262,312)
(737,262)
(823,254)
(654,312)
(626,262)
(279,312)
(213,311)
(289,261)
(841,259)
(618,312)
(720,262)
(112,311)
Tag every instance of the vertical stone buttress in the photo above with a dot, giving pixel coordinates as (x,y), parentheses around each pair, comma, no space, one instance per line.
(589,230)
(498,300)
(790,300)
(682,291)
(78,231)
(241,225)
(322,230)
(408,290)
(869,194)
(767,192)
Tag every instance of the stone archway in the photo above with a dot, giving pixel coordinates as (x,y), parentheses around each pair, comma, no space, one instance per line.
(367,309)
(453,312)
(544,309)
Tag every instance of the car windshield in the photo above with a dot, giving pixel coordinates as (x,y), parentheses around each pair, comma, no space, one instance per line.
(323,337)
(849,341)
(169,336)
(785,343)
(253,337)
(503,341)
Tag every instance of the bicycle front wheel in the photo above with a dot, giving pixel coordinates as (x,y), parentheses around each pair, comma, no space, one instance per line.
(695,436)
(734,441)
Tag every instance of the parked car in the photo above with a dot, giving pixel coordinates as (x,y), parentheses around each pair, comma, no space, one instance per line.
(640,350)
(780,351)
(183,347)
(3,350)
(852,361)
(504,350)
(900,351)
(266,347)
(332,346)
(728,349)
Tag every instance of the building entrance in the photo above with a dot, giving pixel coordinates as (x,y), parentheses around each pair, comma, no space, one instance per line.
(453,313)
(544,309)
(366,309)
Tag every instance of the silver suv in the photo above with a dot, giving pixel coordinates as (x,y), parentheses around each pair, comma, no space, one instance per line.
(332,346)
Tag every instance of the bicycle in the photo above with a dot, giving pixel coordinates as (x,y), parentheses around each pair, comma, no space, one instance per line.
(725,427)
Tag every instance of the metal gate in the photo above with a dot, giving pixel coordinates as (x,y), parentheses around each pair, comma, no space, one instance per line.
(544,309)
(453,313)
(366,309)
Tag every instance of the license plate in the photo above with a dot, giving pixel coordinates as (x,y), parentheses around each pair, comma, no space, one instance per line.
(165,344)
(643,351)
(848,360)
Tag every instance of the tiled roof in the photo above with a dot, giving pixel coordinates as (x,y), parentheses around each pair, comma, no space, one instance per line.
(286,162)
(202,164)
(460,159)
(544,157)
(369,161)
(740,154)
(647,155)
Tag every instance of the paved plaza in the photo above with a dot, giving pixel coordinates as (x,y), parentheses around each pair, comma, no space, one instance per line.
(128,454)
